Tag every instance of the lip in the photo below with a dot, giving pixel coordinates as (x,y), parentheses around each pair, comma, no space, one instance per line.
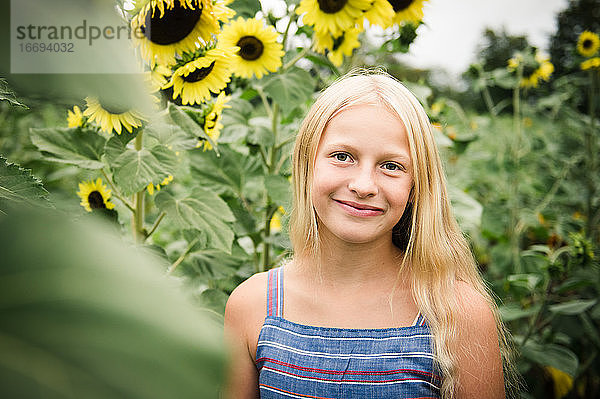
(356,209)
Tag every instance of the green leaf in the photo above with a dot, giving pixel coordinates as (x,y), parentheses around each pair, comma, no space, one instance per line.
(77,146)
(246,8)
(133,170)
(551,355)
(289,89)
(573,307)
(513,312)
(279,190)
(6,94)
(260,132)
(19,186)
(466,209)
(214,299)
(201,210)
(187,123)
(83,315)
(235,121)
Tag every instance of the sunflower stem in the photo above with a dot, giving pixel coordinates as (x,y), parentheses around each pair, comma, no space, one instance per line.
(116,191)
(293,16)
(293,61)
(514,180)
(156,223)
(270,208)
(265,102)
(182,256)
(138,215)
(590,158)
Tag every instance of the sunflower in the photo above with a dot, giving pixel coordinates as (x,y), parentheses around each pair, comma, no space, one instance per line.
(75,118)
(332,16)
(275,223)
(381,13)
(592,63)
(212,120)
(337,47)
(222,12)
(588,44)
(407,10)
(258,52)
(204,72)
(163,28)
(110,118)
(542,71)
(94,195)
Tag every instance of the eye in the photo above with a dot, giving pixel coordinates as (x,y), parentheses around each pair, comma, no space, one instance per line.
(392,166)
(341,156)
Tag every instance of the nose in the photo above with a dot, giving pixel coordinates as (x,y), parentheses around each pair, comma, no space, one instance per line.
(362,183)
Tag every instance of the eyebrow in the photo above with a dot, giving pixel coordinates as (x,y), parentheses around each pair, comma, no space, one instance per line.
(386,155)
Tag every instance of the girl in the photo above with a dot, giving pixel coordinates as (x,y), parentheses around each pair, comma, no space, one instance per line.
(382,298)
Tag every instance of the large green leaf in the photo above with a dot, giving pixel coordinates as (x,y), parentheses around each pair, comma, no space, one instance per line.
(17,185)
(551,355)
(466,209)
(202,210)
(289,89)
(235,121)
(574,307)
(246,8)
(82,315)
(133,170)
(514,311)
(279,189)
(77,146)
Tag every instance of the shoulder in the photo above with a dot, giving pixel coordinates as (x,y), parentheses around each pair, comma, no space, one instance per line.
(479,361)
(248,299)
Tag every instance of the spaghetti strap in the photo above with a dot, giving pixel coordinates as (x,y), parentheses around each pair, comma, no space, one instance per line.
(275,292)
(419,320)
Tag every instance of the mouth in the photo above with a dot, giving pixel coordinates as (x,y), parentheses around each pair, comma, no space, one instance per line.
(356,209)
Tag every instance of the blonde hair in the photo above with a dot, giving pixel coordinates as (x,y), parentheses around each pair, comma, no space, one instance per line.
(431,240)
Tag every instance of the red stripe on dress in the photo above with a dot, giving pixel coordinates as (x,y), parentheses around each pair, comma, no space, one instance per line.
(330,380)
(297,394)
(387,372)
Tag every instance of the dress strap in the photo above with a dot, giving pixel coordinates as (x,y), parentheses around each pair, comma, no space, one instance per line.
(275,292)
(419,320)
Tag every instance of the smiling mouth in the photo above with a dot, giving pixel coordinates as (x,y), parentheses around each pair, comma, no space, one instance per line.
(366,210)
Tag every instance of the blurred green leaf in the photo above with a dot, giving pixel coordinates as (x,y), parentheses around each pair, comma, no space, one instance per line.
(513,311)
(280,190)
(573,307)
(19,186)
(202,210)
(77,146)
(84,316)
(181,117)
(551,355)
(289,89)
(246,8)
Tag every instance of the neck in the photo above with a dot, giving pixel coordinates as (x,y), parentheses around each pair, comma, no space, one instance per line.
(346,264)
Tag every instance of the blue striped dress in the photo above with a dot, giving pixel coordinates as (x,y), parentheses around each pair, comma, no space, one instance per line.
(300,361)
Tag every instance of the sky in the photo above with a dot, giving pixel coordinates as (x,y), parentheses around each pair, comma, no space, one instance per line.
(454,28)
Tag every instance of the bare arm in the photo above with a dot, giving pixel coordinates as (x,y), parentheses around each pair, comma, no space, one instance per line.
(244,315)
(479,363)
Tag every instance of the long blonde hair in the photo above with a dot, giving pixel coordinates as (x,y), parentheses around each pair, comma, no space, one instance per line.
(431,240)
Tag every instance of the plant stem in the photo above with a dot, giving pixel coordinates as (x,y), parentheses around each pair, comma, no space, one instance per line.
(293,16)
(293,61)
(138,214)
(182,256)
(513,173)
(116,191)
(156,223)
(590,158)
(269,208)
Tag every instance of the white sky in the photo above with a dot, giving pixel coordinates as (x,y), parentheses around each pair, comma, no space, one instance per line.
(454,28)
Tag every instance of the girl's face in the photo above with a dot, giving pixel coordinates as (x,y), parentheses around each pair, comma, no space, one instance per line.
(362,175)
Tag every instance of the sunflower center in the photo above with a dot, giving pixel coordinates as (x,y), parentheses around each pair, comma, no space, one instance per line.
(199,74)
(331,6)
(175,25)
(400,5)
(528,70)
(251,48)
(96,201)
(587,43)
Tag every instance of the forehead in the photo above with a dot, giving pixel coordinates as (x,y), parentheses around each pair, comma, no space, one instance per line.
(366,125)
